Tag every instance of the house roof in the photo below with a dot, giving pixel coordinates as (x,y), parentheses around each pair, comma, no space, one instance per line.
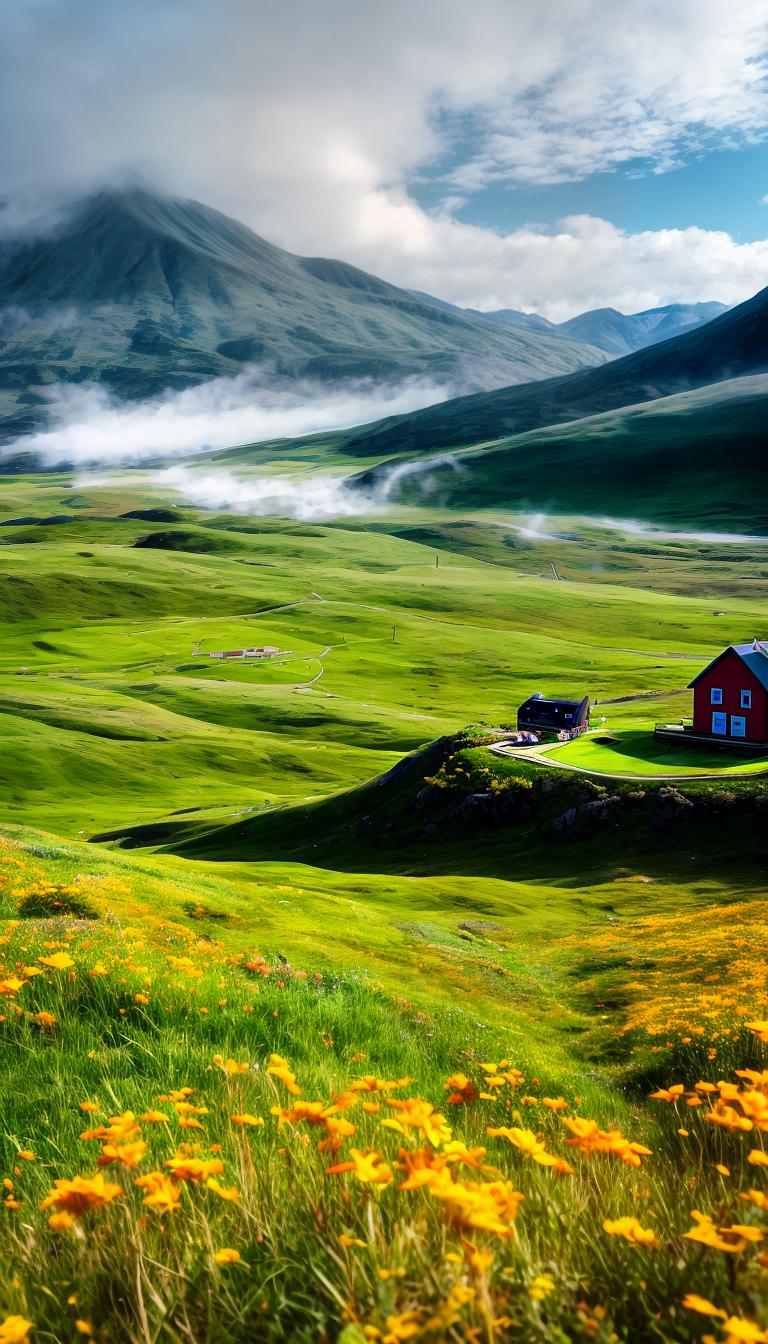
(552,713)
(544,700)
(754,656)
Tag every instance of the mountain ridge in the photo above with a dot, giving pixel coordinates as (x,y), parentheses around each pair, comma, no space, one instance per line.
(607,329)
(730,346)
(141,293)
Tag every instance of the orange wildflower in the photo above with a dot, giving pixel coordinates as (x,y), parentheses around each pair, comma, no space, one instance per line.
(81,1194)
(162,1193)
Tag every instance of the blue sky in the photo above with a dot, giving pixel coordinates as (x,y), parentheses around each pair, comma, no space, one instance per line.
(716,189)
(554,156)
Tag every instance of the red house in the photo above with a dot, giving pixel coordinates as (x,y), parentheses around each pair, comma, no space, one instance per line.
(730,696)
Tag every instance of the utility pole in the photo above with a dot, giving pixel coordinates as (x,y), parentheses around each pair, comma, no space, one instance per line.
(394,633)
(437,562)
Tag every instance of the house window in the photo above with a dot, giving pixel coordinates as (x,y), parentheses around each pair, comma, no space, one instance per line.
(715,696)
(738,726)
(746,699)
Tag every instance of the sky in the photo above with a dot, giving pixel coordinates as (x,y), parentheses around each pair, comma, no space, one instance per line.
(554,157)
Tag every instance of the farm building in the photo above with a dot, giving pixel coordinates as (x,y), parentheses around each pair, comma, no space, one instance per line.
(561,717)
(730,700)
(262,651)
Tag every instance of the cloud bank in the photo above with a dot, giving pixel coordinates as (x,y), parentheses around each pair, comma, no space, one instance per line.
(90,427)
(314,123)
(311,499)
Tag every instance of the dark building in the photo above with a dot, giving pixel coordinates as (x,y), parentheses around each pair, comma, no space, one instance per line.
(540,715)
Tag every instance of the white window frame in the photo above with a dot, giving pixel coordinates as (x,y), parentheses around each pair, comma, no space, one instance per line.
(746,700)
(741,731)
(716,696)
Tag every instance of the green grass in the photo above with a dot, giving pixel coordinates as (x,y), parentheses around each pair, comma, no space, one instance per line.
(636,752)
(276,821)
(693,459)
(151,999)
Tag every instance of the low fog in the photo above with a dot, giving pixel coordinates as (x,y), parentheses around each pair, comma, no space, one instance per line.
(88,426)
(311,498)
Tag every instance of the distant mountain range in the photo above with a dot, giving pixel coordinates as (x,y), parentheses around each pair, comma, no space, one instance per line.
(141,292)
(729,347)
(605,329)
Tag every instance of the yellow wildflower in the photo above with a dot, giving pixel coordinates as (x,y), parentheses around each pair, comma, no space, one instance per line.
(417,1114)
(15,1330)
(227,1256)
(228,1192)
(631,1230)
(58,961)
(695,1303)
(367,1166)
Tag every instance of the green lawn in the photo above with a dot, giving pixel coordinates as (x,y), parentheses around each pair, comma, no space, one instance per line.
(635,751)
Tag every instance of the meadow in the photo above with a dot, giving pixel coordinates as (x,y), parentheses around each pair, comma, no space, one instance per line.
(220,877)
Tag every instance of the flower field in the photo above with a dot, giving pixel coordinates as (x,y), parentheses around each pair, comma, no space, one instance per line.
(203,1144)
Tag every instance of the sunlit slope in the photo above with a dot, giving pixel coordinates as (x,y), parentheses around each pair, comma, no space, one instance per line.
(698,458)
(141,292)
(208,1140)
(731,346)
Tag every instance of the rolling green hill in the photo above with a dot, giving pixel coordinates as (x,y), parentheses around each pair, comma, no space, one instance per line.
(140,292)
(731,346)
(696,459)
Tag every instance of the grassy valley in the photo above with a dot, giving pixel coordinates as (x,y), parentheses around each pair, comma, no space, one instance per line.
(315,869)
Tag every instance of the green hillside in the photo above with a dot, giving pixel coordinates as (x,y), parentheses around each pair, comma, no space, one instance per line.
(731,346)
(696,459)
(261,922)
(139,293)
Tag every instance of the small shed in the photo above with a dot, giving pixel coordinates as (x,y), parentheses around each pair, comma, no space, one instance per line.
(730,695)
(538,714)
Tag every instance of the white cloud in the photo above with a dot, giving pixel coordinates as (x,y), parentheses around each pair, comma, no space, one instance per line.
(88,426)
(585,262)
(310,120)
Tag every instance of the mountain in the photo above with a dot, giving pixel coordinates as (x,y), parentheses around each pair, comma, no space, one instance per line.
(730,346)
(622,333)
(604,328)
(141,292)
(500,317)
(696,459)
